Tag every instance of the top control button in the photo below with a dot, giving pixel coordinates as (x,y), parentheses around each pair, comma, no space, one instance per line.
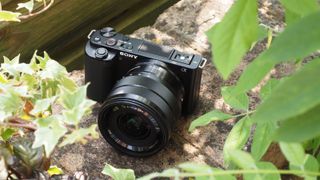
(107,32)
(125,38)
(181,57)
(101,53)
(111,42)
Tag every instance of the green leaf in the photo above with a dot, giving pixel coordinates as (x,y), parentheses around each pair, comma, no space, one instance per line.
(294,43)
(245,161)
(300,128)
(28,5)
(234,35)
(118,174)
(239,101)
(296,9)
(267,166)
(293,152)
(261,139)
(78,135)
(203,168)
(53,70)
(71,99)
(242,159)
(49,135)
(237,137)
(166,173)
(14,68)
(310,164)
(293,96)
(7,134)
(67,83)
(205,119)
(267,89)
(54,170)
(42,105)
(10,102)
(9,16)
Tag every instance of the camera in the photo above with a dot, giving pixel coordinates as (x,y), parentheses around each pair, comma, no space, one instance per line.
(144,89)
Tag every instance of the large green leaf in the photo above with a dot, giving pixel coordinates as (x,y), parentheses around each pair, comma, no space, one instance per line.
(294,43)
(205,119)
(267,89)
(245,161)
(261,139)
(239,101)
(293,152)
(296,9)
(237,138)
(293,96)
(300,128)
(118,174)
(234,35)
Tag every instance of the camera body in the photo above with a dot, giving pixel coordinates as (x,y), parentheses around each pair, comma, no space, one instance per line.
(120,53)
(144,88)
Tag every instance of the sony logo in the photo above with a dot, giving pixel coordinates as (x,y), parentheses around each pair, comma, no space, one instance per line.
(128,55)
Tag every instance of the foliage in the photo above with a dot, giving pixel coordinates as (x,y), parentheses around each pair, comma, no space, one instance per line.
(39,97)
(30,6)
(288,113)
(118,174)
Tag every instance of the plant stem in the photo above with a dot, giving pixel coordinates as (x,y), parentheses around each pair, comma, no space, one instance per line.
(39,12)
(245,171)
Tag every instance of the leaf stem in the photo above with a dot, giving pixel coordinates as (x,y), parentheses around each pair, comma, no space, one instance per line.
(244,171)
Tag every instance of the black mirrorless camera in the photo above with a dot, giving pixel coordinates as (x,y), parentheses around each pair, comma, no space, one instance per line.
(144,88)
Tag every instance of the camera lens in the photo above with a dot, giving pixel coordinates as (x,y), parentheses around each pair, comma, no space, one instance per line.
(133,126)
(141,109)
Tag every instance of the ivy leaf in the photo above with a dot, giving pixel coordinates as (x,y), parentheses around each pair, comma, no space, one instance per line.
(13,67)
(48,136)
(296,9)
(205,119)
(118,174)
(10,102)
(71,99)
(42,105)
(78,135)
(234,35)
(294,96)
(262,139)
(299,128)
(237,137)
(67,83)
(53,70)
(28,5)
(239,101)
(9,16)
(289,45)
(293,152)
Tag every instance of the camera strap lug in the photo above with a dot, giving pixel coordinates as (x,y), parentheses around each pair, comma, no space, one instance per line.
(203,63)
(91,32)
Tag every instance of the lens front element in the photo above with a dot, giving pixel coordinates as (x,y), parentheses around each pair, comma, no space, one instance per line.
(134,126)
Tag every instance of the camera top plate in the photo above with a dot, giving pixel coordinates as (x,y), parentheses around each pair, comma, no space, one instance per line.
(107,39)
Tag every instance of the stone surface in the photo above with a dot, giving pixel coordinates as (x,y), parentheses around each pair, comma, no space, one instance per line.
(183,27)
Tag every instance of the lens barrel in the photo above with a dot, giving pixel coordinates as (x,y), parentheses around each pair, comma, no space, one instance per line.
(141,109)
